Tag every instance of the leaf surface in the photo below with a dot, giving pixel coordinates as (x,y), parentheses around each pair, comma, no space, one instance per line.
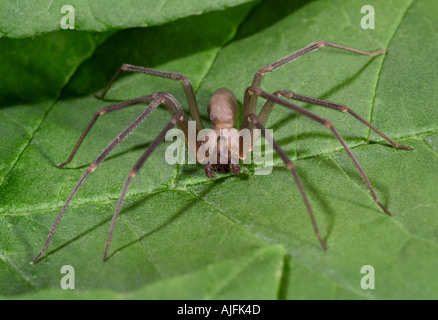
(28,18)
(177,223)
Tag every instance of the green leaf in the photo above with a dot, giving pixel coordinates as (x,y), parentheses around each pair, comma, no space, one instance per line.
(183,233)
(256,275)
(28,18)
(25,99)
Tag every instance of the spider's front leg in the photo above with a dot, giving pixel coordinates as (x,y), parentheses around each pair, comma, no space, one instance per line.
(187,85)
(252,103)
(171,103)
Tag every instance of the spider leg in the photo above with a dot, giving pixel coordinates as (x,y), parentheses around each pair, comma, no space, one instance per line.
(174,108)
(257,91)
(250,108)
(188,88)
(134,171)
(160,98)
(269,104)
(289,164)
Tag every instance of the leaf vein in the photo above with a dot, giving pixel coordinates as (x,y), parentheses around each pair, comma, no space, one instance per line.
(381,67)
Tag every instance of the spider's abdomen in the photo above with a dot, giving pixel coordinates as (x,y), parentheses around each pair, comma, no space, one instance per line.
(222,109)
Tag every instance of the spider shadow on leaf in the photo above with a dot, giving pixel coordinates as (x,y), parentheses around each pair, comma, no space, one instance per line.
(137,203)
(78,237)
(186,207)
(312,189)
(126,210)
(135,148)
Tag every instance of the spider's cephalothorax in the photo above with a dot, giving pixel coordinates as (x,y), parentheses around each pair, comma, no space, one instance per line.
(222,110)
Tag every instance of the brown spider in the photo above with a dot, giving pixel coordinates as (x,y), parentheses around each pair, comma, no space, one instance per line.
(222,111)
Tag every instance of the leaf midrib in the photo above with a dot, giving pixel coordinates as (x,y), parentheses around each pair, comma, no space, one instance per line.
(205,182)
